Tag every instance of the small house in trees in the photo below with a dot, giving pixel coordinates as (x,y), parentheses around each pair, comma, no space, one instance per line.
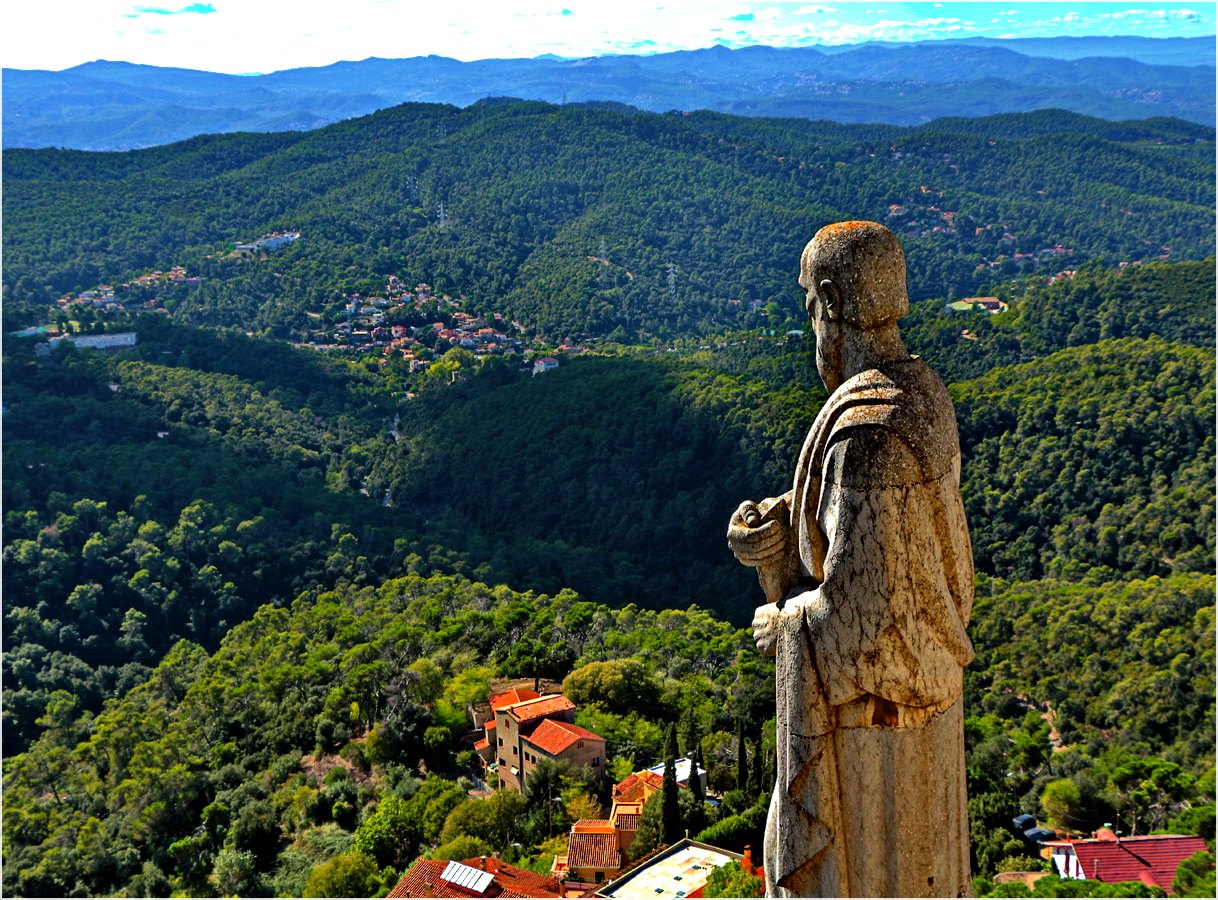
(991,305)
(1150,859)
(544,364)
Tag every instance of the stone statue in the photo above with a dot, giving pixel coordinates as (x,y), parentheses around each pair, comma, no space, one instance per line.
(868,572)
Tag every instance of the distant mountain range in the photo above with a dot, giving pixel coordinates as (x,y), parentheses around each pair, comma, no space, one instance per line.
(115,106)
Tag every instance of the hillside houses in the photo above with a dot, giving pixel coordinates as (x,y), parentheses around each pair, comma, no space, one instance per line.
(141,293)
(598,849)
(397,323)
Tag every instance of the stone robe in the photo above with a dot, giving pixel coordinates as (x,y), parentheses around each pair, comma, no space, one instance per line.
(870,796)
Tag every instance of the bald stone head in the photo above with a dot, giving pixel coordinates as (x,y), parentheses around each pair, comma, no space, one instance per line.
(854,275)
(858,270)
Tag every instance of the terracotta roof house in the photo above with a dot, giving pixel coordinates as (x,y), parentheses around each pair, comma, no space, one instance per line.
(540,728)
(1150,859)
(485,876)
(593,854)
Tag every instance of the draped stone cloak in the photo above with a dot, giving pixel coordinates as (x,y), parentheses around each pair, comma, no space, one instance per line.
(870,796)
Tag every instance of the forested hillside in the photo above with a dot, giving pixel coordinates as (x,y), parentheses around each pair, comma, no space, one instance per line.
(250,587)
(595,222)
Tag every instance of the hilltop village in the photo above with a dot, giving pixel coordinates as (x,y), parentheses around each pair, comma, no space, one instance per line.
(415,324)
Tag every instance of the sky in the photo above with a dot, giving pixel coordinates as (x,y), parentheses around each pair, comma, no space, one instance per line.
(250,36)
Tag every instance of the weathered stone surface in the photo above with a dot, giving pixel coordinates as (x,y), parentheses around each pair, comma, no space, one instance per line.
(868,573)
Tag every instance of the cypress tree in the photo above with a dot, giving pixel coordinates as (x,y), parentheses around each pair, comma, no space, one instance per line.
(757,775)
(672,802)
(695,783)
(697,819)
(742,758)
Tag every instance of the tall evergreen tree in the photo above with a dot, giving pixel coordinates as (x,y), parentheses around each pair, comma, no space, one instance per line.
(672,801)
(697,819)
(757,771)
(742,758)
(695,783)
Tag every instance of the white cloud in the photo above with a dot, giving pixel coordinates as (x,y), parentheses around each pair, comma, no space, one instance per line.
(200,9)
(812,10)
(1189,14)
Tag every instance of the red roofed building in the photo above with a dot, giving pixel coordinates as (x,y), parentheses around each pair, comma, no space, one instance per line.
(486,876)
(552,718)
(1150,859)
(593,854)
(638,787)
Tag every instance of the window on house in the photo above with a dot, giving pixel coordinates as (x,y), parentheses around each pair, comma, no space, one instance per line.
(596,761)
(599,876)
(515,751)
(502,761)
(579,745)
(501,742)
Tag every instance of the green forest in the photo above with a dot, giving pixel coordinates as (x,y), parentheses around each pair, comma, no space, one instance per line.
(251,588)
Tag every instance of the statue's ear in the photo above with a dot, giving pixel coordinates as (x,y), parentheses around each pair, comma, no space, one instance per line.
(832,296)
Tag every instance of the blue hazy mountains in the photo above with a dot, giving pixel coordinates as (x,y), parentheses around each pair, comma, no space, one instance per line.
(112,105)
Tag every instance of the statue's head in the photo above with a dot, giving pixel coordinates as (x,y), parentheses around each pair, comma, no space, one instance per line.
(857,270)
(854,277)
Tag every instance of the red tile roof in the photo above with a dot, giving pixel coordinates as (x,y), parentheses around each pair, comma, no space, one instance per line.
(539,708)
(517,882)
(628,822)
(1151,859)
(631,788)
(507,698)
(554,737)
(482,744)
(423,880)
(593,851)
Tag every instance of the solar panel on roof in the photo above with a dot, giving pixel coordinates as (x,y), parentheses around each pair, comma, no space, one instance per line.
(467,877)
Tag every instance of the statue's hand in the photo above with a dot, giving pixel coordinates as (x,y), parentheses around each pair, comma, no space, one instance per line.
(755,538)
(767,621)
